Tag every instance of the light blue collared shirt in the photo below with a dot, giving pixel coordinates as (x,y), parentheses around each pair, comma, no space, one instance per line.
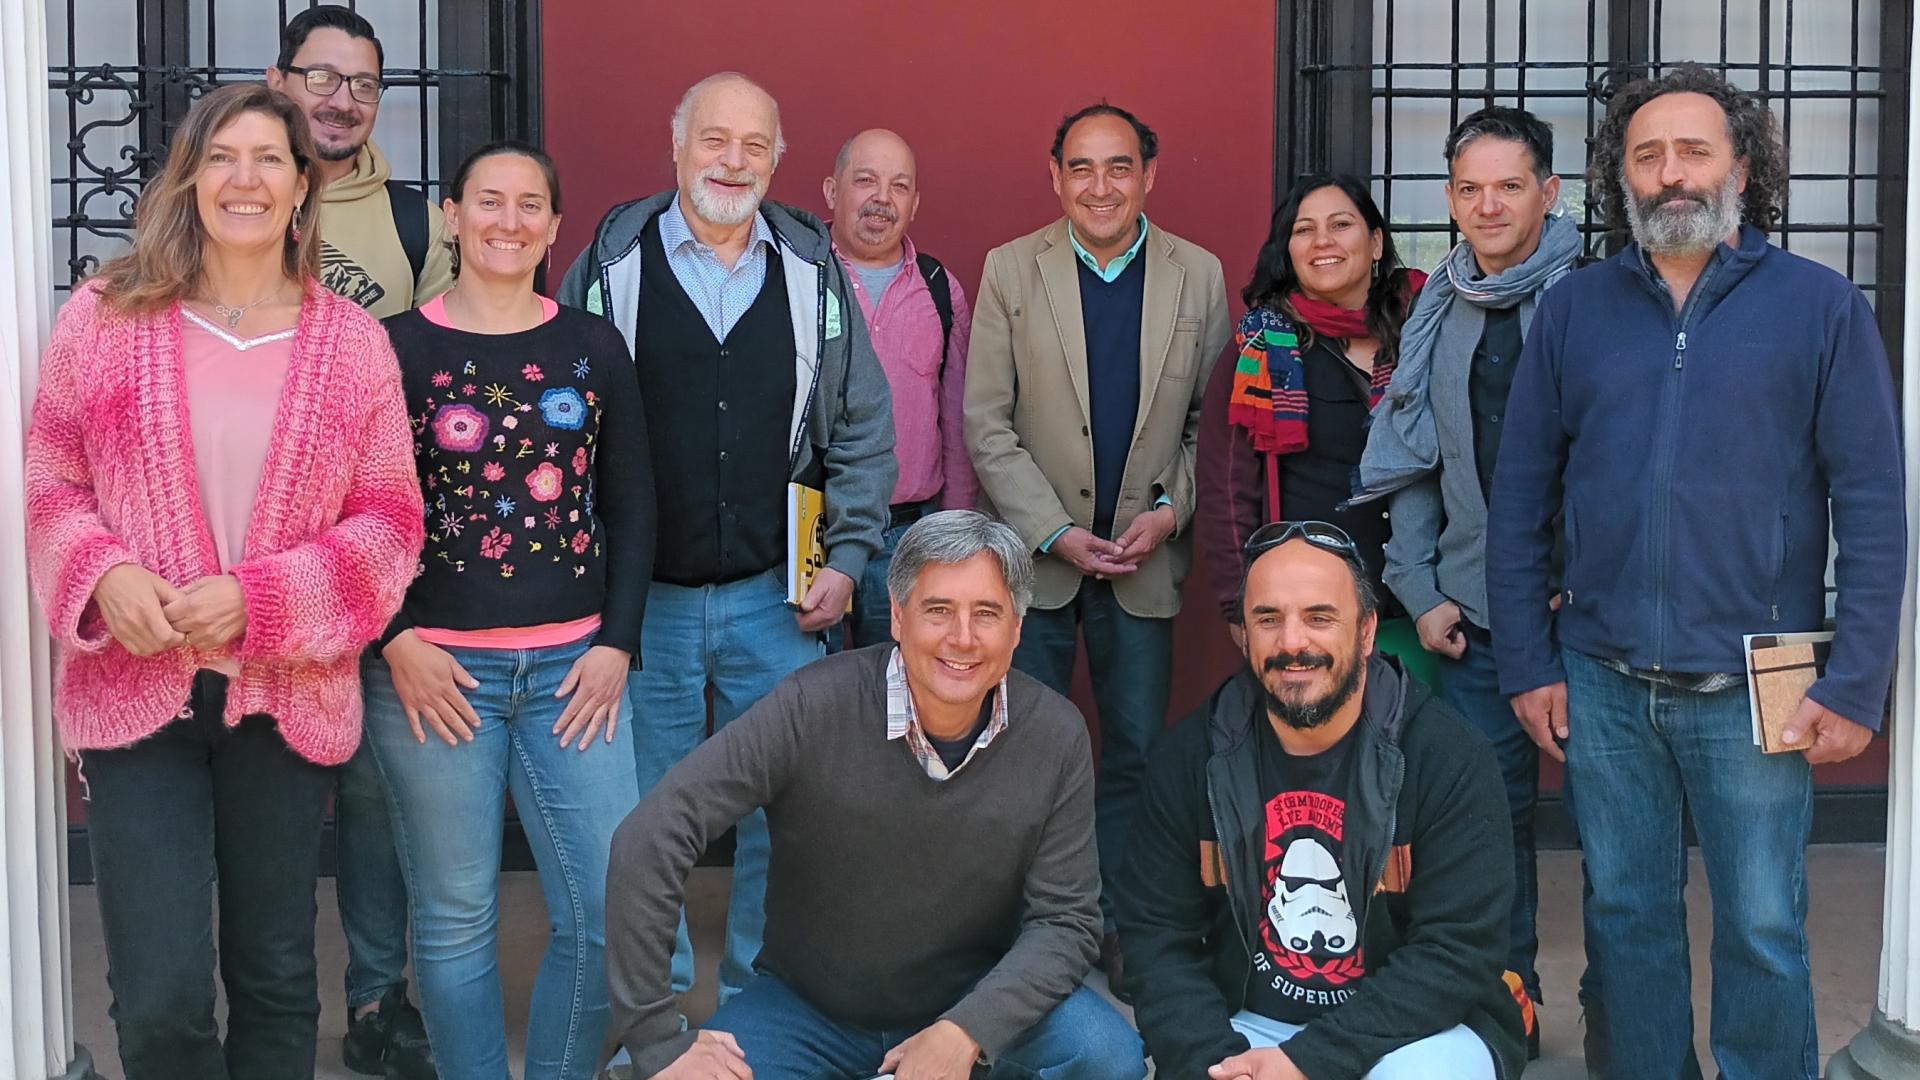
(721,293)
(1120,262)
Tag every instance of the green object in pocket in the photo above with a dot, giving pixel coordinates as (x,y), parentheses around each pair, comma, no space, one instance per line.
(1397,638)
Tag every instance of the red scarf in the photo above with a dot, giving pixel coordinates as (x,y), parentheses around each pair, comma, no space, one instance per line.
(1329,319)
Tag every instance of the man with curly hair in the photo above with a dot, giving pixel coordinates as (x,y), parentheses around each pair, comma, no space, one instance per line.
(1699,409)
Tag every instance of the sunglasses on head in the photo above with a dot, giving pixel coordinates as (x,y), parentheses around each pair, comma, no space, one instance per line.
(1318,533)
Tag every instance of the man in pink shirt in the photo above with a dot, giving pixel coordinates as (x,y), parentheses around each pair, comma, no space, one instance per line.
(918,318)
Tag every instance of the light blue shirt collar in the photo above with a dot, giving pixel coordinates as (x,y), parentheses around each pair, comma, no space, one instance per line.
(675,232)
(1118,265)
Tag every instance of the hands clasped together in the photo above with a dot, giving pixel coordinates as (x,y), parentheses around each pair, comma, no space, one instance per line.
(148,616)
(1121,555)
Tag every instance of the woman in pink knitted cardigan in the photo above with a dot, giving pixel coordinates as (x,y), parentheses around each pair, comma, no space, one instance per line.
(222,511)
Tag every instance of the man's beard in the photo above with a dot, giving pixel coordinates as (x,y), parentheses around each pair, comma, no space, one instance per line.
(335,152)
(727,209)
(1304,715)
(1660,229)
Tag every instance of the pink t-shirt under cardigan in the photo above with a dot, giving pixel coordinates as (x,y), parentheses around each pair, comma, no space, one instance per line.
(233,394)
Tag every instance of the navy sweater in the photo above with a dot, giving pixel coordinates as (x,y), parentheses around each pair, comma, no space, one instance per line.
(1694,455)
(1111,316)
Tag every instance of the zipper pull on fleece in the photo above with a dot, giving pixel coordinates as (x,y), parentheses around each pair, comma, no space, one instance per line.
(1679,349)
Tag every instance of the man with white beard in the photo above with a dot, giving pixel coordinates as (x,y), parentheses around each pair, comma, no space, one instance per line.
(1696,409)
(755,371)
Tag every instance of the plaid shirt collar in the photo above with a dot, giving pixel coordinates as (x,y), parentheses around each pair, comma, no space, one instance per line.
(903,724)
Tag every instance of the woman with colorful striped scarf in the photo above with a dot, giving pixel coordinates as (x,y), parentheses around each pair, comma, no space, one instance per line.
(1283,425)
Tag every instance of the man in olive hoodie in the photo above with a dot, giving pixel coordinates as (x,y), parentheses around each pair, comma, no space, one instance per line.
(383,247)
(1319,880)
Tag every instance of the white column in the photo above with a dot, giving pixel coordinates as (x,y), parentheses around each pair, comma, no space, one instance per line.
(36,993)
(1890,1044)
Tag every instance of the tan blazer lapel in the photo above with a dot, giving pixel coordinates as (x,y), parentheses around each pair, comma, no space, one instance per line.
(1060,276)
(1158,310)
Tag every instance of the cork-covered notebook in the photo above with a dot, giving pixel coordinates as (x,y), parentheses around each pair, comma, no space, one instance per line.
(1780,670)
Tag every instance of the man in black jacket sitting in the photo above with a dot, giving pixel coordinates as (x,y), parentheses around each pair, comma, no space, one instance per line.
(1319,881)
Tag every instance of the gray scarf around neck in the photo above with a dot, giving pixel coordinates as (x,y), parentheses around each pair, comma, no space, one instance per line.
(1401,444)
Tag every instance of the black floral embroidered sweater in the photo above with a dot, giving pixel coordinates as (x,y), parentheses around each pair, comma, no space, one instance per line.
(533,461)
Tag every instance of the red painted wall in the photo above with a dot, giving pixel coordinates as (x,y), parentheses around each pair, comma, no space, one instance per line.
(977,89)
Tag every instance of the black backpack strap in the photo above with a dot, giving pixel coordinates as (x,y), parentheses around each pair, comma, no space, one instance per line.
(941,288)
(410,221)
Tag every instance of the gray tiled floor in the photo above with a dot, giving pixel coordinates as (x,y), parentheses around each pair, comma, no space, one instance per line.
(1845,935)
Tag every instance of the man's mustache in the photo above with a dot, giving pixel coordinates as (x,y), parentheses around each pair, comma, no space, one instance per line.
(731,176)
(1304,658)
(880,210)
(1677,194)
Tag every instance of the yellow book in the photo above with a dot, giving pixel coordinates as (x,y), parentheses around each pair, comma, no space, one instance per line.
(806,540)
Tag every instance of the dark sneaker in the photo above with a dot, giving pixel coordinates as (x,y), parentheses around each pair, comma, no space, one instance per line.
(365,1048)
(390,1041)
(408,1055)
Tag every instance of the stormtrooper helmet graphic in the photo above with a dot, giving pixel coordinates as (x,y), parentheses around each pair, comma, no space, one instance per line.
(1309,908)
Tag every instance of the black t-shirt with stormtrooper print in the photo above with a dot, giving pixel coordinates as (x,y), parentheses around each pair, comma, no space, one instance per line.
(1306,944)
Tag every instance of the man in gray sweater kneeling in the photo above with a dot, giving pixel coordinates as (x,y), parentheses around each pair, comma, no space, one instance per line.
(933,892)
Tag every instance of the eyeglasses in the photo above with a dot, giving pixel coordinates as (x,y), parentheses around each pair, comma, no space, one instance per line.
(1318,533)
(322,82)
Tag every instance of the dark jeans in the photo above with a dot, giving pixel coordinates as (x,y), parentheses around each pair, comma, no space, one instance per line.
(1641,755)
(871,620)
(195,806)
(784,1038)
(368,881)
(1131,660)
(1471,685)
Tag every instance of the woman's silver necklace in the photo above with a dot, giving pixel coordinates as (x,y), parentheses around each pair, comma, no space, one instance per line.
(233,314)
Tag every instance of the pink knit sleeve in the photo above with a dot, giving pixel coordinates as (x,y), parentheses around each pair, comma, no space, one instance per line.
(69,546)
(327,598)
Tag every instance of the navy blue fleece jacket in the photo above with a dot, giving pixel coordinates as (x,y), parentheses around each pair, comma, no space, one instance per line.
(1695,455)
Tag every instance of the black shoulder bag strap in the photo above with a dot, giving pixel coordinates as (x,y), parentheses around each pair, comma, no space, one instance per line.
(942,291)
(410,221)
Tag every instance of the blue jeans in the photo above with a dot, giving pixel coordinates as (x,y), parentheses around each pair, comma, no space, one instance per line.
(371,888)
(1131,661)
(1456,1053)
(739,640)
(785,1038)
(448,807)
(1472,686)
(1640,755)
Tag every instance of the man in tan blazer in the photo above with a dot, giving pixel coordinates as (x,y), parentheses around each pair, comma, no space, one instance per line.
(1092,340)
